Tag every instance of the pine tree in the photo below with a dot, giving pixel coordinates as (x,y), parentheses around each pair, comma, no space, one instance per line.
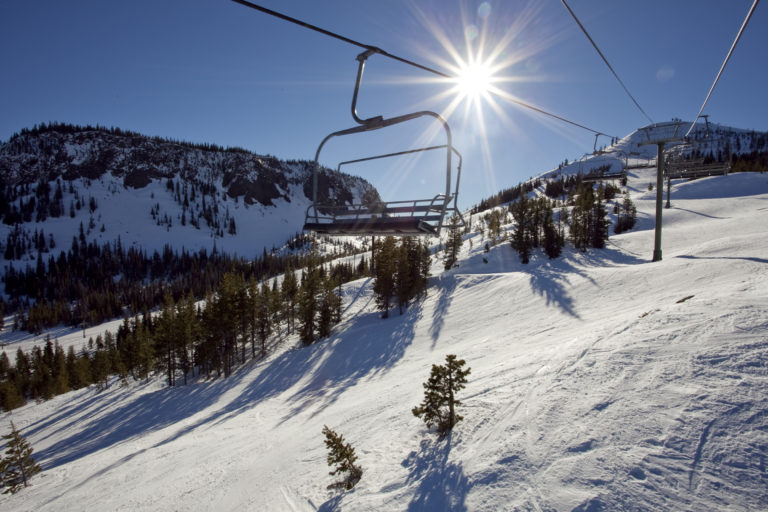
(582,220)
(553,240)
(263,318)
(627,215)
(329,303)
(521,239)
(600,224)
(453,244)
(406,279)
(308,291)
(166,338)
(342,457)
(289,290)
(18,465)
(424,267)
(386,266)
(439,405)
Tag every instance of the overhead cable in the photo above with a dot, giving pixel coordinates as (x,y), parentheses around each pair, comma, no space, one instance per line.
(606,61)
(719,73)
(395,57)
(339,37)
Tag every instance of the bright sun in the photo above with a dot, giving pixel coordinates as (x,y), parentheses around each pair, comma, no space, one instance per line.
(475,80)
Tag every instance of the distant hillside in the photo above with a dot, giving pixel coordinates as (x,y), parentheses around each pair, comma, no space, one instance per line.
(110,183)
(741,150)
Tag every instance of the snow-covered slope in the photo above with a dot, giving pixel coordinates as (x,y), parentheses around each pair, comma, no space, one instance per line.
(152,192)
(717,141)
(600,381)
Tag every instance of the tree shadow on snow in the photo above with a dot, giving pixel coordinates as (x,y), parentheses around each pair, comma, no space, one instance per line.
(332,366)
(743,258)
(133,416)
(332,504)
(442,485)
(550,279)
(372,346)
(447,286)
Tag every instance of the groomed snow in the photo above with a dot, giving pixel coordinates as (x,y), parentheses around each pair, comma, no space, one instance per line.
(594,386)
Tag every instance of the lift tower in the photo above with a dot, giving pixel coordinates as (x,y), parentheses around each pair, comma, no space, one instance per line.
(661,134)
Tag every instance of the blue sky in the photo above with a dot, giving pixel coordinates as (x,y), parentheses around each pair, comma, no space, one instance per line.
(215,71)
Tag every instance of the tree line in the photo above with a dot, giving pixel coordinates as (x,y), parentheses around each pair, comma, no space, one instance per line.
(541,222)
(188,338)
(91,283)
(401,272)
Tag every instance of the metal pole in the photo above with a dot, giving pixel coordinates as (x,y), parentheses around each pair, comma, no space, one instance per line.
(659,200)
(669,192)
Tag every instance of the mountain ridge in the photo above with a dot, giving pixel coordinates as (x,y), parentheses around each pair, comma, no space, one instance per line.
(190,184)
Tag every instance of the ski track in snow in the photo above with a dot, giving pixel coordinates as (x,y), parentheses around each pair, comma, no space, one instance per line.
(593,387)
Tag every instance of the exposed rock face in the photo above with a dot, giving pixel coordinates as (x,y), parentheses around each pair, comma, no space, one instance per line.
(71,152)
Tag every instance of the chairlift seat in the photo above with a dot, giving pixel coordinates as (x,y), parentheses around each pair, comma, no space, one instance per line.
(420,217)
(376,226)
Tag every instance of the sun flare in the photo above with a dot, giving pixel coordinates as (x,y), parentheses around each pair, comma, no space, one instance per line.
(475,80)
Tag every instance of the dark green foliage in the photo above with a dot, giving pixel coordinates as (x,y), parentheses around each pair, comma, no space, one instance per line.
(600,224)
(289,291)
(589,224)
(535,227)
(522,237)
(308,305)
(10,398)
(90,284)
(401,272)
(18,466)
(553,238)
(182,340)
(627,215)
(494,219)
(386,266)
(439,405)
(562,187)
(341,456)
(453,244)
(413,262)
(263,319)
(330,303)
(506,196)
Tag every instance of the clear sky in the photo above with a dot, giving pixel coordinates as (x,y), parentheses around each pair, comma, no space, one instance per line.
(215,71)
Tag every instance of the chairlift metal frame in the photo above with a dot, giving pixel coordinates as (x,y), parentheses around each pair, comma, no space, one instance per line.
(420,217)
(681,164)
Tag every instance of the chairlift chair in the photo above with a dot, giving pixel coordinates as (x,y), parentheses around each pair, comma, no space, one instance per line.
(687,161)
(419,217)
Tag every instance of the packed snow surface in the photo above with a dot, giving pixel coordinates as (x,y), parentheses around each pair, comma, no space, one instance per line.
(600,381)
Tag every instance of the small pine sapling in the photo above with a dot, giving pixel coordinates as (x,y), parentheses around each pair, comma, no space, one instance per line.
(342,457)
(439,405)
(18,465)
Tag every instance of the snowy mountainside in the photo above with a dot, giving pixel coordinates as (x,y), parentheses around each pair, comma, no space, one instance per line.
(151,192)
(720,141)
(600,381)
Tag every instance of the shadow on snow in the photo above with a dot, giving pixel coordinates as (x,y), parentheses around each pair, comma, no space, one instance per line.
(442,484)
(133,416)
